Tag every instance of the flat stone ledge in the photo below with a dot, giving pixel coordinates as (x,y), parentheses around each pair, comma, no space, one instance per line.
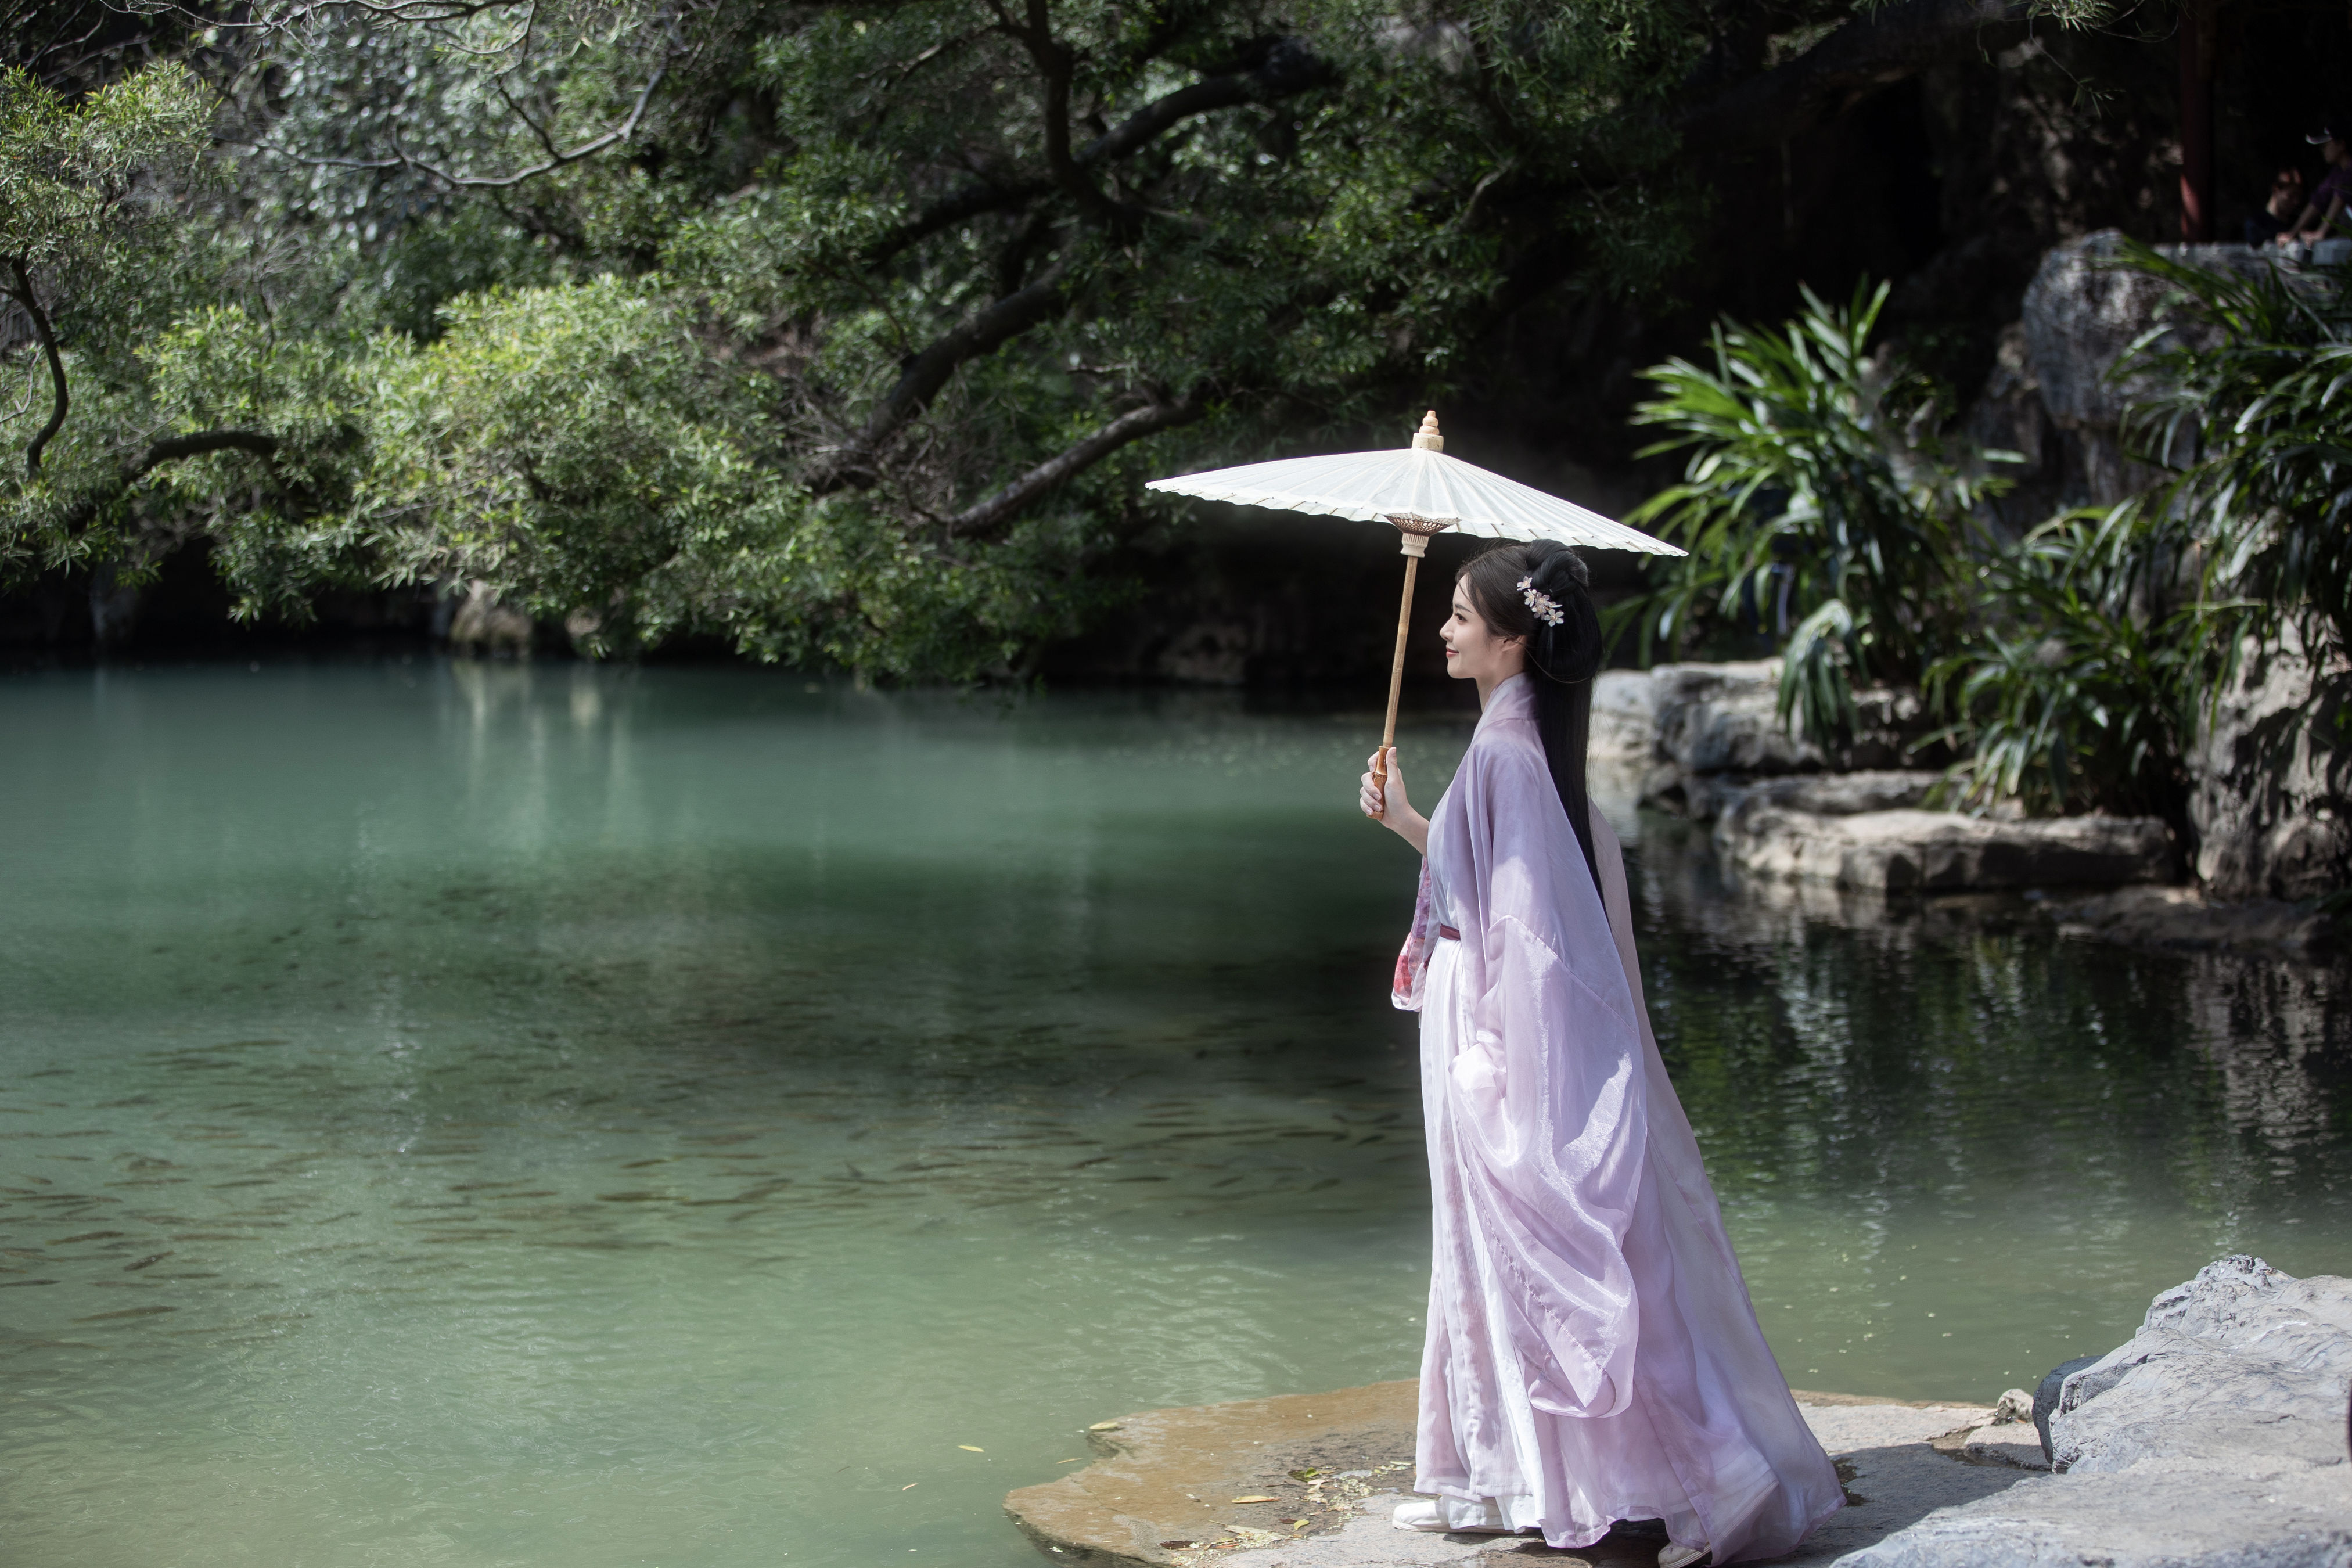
(1168,1479)
(2214,1439)
(1908,850)
(2187,918)
(1331,1466)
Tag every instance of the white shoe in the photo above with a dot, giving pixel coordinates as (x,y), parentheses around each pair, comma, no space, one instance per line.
(1466,1518)
(1672,1556)
(1452,1517)
(1418,1513)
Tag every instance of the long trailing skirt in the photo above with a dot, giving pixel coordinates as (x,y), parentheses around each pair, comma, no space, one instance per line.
(1708,1441)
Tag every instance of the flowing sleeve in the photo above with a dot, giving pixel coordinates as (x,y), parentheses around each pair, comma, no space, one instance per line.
(1411,975)
(1547,1093)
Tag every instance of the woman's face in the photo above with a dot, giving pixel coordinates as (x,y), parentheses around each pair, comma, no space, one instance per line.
(1473,651)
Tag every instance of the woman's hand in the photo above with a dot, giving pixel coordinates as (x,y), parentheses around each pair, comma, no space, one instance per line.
(1389,807)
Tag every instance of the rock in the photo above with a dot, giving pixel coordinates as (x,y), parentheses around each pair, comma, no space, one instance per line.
(2243,1362)
(2215,1439)
(1908,851)
(483,623)
(2271,804)
(1682,727)
(1170,1476)
(1158,1496)
(1622,741)
(2191,918)
(1207,653)
(2083,311)
(1823,794)
(2046,1396)
(2272,796)
(1624,714)
(1725,717)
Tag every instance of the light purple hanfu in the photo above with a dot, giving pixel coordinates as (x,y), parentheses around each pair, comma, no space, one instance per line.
(1591,1351)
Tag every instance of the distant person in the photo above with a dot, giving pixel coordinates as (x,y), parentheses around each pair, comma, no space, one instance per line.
(2320,214)
(1591,1354)
(2278,214)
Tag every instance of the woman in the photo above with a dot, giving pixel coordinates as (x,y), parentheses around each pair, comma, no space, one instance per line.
(1591,1354)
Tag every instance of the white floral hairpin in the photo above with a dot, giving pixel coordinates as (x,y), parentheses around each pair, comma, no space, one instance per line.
(1546,608)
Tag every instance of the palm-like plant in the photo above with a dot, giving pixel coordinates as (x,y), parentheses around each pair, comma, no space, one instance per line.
(1815,486)
(2256,428)
(2071,696)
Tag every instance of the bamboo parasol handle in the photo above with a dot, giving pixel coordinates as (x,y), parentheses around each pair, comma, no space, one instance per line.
(1414,546)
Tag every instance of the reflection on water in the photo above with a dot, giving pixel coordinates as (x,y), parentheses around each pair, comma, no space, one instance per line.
(1951,1143)
(477,1114)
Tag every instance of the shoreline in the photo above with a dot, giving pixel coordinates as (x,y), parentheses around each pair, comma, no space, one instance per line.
(1306,1481)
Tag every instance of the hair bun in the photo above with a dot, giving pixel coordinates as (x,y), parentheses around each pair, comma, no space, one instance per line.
(1569,652)
(1555,563)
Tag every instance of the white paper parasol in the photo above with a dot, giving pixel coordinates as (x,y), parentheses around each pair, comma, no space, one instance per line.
(1424,492)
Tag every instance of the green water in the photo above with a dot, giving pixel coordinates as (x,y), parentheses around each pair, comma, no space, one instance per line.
(463,1114)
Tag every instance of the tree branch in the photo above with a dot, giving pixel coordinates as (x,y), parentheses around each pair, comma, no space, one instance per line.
(198,444)
(989,515)
(1055,63)
(403,159)
(59,398)
(949,211)
(1288,70)
(167,450)
(929,371)
(1879,46)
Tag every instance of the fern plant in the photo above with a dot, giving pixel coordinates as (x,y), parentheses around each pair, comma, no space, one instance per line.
(1815,485)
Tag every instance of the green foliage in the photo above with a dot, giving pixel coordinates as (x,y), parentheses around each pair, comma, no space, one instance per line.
(846,333)
(2255,426)
(2111,636)
(2072,696)
(1816,492)
(578,449)
(736,373)
(69,173)
(2107,639)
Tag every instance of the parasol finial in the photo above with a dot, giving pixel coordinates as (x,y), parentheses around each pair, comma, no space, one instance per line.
(1427,439)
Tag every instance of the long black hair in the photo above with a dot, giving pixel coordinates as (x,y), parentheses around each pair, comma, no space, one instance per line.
(1562,659)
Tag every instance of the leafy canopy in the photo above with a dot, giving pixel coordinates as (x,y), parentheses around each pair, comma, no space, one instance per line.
(896,304)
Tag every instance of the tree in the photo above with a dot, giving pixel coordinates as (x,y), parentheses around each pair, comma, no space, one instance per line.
(985,262)
(68,180)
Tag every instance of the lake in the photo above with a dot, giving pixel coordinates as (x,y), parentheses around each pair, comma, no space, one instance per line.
(491,1115)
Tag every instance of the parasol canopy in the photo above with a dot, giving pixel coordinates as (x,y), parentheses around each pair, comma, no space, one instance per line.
(1420,482)
(1424,492)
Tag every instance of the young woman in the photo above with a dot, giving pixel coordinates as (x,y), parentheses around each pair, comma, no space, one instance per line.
(1591,1353)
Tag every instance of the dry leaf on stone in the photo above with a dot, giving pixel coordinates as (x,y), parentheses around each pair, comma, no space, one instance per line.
(1104,1426)
(1254,1497)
